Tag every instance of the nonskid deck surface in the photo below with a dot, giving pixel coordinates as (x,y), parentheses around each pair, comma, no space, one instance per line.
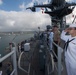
(35,67)
(34,60)
(63,67)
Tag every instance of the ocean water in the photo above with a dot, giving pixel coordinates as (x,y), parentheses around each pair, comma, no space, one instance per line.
(6,39)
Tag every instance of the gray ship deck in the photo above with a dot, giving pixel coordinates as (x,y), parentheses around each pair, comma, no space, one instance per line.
(35,64)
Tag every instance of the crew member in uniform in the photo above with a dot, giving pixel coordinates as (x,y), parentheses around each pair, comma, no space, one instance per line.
(70,48)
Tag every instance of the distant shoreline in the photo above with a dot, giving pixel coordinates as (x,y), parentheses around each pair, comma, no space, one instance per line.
(17,32)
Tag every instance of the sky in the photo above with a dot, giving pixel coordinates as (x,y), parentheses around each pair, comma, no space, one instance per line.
(15,17)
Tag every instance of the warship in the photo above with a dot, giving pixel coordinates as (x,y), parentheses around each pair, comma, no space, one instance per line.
(36,58)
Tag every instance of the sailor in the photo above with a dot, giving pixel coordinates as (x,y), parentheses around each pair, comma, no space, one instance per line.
(70,48)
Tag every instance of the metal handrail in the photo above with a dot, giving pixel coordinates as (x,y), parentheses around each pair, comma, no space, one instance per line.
(13,54)
(51,58)
(20,65)
(6,56)
(60,50)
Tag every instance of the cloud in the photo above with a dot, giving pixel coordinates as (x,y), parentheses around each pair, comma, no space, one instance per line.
(67,0)
(10,22)
(22,21)
(1,2)
(70,0)
(22,6)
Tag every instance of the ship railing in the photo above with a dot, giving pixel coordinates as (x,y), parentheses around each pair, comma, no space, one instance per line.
(49,63)
(50,60)
(13,55)
(49,55)
(59,66)
(27,56)
(19,65)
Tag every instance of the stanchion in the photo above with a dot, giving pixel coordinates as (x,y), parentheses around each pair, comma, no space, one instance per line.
(0,62)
